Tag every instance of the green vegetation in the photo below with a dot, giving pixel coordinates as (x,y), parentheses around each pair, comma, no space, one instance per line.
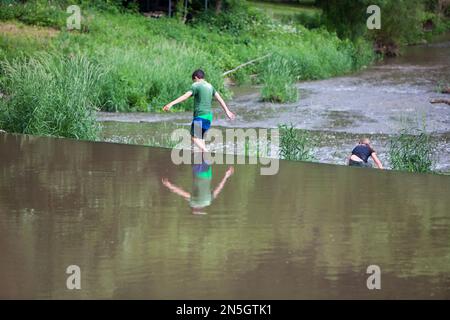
(148,62)
(279,81)
(50,95)
(402,20)
(303,12)
(295,144)
(412,150)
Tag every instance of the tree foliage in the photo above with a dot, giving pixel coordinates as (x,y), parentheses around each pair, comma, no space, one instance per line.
(400,19)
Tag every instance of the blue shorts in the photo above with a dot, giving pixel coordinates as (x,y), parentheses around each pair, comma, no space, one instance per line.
(199,127)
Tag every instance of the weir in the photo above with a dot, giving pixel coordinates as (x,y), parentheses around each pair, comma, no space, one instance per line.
(139,226)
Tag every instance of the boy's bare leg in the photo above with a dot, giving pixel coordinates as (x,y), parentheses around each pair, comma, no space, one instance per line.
(200,143)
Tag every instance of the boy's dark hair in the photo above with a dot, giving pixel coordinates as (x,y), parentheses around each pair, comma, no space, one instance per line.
(199,74)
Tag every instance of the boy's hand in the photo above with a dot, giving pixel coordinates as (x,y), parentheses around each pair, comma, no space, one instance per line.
(167,107)
(166,182)
(229,171)
(231,115)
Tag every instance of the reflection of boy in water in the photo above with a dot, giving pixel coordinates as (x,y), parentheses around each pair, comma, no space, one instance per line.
(201,196)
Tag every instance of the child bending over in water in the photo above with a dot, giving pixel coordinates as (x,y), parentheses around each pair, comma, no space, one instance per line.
(361,153)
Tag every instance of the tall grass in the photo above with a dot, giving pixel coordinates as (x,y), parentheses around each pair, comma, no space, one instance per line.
(146,67)
(295,144)
(279,81)
(50,95)
(145,78)
(412,151)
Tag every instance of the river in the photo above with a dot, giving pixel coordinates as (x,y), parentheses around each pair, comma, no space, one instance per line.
(130,220)
(376,102)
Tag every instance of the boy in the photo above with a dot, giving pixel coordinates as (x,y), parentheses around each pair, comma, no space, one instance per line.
(201,196)
(361,153)
(203,93)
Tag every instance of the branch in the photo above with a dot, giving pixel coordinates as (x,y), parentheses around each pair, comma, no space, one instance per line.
(447,101)
(246,64)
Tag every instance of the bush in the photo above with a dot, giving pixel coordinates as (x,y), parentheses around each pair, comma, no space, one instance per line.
(412,150)
(279,81)
(310,20)
(295,144)
(50,95)
(37,12)
(238,19)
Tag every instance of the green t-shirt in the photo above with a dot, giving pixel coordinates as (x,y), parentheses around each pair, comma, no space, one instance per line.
(203,93)
(201,195)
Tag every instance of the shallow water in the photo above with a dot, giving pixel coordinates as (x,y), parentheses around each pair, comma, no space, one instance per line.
(308,232)
(375,102)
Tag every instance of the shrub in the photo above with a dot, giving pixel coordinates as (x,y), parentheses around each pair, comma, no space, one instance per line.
(50,95)
(295,144)
(412,150)
(278,80)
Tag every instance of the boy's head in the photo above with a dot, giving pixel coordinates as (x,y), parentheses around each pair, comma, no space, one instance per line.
(198,75)
(364,141)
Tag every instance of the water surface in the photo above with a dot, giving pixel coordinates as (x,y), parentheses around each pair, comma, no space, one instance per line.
(308,232)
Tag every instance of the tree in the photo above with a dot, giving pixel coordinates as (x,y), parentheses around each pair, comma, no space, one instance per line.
(219,4)
(400,19)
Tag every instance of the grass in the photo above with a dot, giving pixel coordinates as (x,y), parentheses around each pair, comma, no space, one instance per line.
(147,62)
(295,144)
(151,59)
(279,81)
(412,151)
(280,9)
(305,13)
(50,95)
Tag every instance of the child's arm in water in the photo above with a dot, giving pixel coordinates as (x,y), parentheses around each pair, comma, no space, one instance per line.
(186,195)
(230,114)
(376,160)
(221,184)
(184,97)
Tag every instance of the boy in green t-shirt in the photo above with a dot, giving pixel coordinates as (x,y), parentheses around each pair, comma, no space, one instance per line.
(203,93)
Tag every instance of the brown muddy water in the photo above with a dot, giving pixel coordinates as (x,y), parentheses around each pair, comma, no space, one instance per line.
(309,231)
(376,102)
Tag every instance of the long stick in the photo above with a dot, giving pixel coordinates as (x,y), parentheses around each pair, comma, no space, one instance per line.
(245,64)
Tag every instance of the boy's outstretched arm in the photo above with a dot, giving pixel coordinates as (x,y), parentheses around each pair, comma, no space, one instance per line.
(221,184)
(230,114)
(186,195)
(184,97)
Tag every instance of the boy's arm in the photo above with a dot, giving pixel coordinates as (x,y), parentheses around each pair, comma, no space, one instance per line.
(221,184)
(176,189)
(230,114)
(184,97)
(377,161)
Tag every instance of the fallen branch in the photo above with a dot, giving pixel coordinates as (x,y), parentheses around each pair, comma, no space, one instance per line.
(245,64)
(446,101)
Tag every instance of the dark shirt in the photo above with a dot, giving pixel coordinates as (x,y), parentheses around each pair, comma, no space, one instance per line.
(363,151)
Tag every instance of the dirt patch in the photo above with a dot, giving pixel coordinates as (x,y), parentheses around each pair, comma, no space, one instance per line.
(21,30)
